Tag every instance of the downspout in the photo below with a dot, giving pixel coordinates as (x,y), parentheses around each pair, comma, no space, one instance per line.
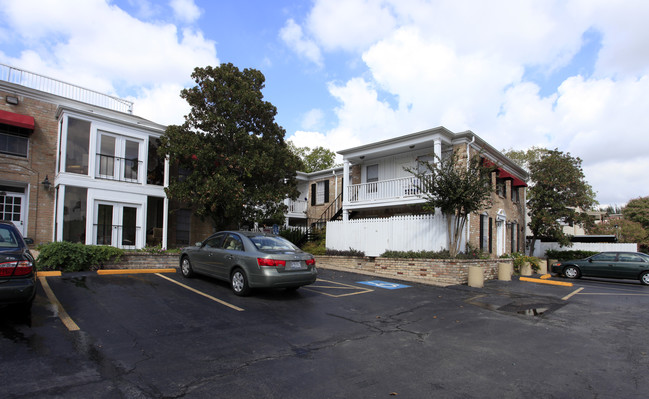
(468,217)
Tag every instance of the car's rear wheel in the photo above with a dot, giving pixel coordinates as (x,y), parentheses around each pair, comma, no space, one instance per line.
(186,267)
(571,272)
(644,278)
(239,283)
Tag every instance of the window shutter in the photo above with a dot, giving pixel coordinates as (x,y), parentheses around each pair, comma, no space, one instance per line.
(481,232)
(490,240)
(326,191)
(313,194)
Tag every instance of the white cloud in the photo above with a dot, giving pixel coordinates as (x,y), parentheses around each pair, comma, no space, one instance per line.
(313,119)
(293,36)
(97,45)
(185,10)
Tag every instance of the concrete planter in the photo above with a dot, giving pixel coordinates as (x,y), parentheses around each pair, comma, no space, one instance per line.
(526,269)
(543,267)
(476,276)
(505,271)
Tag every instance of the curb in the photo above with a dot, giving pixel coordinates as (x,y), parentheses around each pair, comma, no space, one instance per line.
(545,281)
(111,272)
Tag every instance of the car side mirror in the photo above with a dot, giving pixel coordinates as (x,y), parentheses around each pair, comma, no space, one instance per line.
(28,241)
(590,261)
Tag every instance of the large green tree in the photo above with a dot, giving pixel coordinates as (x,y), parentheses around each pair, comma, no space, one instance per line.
(314,159)
(559,194)
(524,158)
(234,165)
(458,187)
(637,210)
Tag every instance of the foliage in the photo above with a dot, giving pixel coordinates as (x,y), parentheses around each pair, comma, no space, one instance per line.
(524,158)
(155,250)
(456,188)
(559,194)
(315,248)
(520,259)
(624,230)
(314,159)
(568,255)
(637,210)
(445,254)
(71,257)
(345,252)
(234,165)
(296,236)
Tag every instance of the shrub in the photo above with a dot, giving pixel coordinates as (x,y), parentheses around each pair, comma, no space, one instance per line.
(72,257)
(445,254)
(314,248)
(568,255)
(520,259)
(348,252)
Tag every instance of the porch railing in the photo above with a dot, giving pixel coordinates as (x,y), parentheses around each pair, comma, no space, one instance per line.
(298,206)
(385,190)
(49,85)
(115,168)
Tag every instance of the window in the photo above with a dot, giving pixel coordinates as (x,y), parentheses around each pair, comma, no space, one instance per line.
(630,258)
(605,257)
(118,158)
(485,233)
(13,141)
(155,165)
(422,163)
(513,237)
(372,177)
(183,223)
(515,195)
(233,242)
(320,192)
(500,187)
(74,214)
(77,147)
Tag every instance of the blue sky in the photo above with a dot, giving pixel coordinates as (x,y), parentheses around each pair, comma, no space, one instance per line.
(566,74)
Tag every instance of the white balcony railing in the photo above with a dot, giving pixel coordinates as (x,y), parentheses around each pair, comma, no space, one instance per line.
(63,89)
(384,190)
(298,206)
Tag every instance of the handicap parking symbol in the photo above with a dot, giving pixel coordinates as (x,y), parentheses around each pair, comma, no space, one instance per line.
(384,284)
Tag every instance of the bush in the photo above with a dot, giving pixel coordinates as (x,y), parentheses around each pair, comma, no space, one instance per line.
(568,255)
(348,252)
(72,257)
(314,248)
(445,254)
(520,259)
(296,236)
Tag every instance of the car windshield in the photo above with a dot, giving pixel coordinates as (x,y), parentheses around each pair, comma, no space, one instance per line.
(272,243)
(8,239)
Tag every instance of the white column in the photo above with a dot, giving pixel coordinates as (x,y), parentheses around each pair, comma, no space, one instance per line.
(346,178)
(165,207)
(437,148)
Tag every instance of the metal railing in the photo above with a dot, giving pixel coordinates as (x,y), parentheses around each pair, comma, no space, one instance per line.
(297,206)
(53,86)
(115,168)
(385,190)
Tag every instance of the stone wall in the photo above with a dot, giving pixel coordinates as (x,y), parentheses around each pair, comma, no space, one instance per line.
(144,261)
(429,271)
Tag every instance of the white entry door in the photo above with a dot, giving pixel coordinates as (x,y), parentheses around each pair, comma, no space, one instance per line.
(12,208)
(117,224)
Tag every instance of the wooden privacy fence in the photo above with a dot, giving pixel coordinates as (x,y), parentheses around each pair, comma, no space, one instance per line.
(397,233)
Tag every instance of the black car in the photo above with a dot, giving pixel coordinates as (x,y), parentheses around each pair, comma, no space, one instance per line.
(627,265)
(17,268)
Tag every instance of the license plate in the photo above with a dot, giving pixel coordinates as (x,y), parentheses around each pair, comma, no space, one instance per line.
(296,266)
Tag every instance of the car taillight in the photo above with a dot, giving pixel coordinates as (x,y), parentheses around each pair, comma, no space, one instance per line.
(271,262)
(310,262)
(16,268)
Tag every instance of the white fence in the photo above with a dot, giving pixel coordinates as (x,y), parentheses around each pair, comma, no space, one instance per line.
(541,247)
(397,233)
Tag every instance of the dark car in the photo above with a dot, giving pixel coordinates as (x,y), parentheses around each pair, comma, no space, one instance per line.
(17,268)
(627,265)
(248,260)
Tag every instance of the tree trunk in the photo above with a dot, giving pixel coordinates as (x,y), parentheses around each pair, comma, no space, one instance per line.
(532,245)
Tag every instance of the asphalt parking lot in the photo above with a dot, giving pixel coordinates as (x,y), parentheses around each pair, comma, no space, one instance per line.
(348,335)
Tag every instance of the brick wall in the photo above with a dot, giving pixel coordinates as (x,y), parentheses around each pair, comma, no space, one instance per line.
(40,162)
(145,261)
(431,271)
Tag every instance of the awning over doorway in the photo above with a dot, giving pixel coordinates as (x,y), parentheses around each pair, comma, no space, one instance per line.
(18,120)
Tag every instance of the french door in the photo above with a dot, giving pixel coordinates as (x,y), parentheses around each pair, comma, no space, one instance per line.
(12,208)
(117,224)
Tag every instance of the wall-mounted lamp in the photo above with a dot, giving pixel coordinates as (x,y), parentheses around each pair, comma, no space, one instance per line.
(46,183)
(412,146)
(12,100)
(362,156)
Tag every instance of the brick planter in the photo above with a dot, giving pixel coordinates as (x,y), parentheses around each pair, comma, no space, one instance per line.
(137,260)
(430,271)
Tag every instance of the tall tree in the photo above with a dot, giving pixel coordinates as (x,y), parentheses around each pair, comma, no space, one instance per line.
(234,164)
(559,194)
(457,187)
(524,158)
(637,210)
(314,159)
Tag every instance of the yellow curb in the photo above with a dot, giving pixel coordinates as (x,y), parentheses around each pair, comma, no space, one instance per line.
(54,273)
(135,271)
(546,276)
(533,280)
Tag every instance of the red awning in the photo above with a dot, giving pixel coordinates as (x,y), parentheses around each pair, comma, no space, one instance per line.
(518,183)
(18,120)
(503,174)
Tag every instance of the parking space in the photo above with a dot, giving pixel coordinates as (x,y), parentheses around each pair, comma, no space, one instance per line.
(346,335)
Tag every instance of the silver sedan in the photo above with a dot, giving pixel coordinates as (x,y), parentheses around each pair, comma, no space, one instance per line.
(248,260)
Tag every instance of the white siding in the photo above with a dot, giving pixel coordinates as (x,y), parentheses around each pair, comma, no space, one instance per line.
(541,247)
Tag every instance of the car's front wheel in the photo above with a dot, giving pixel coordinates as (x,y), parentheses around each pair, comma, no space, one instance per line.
(571,272)
(186,267)
(644,278)
(239,283)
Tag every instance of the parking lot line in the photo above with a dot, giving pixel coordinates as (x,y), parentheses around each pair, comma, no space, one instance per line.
(575,292)
(201,293)
(63,315)
(336,286)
